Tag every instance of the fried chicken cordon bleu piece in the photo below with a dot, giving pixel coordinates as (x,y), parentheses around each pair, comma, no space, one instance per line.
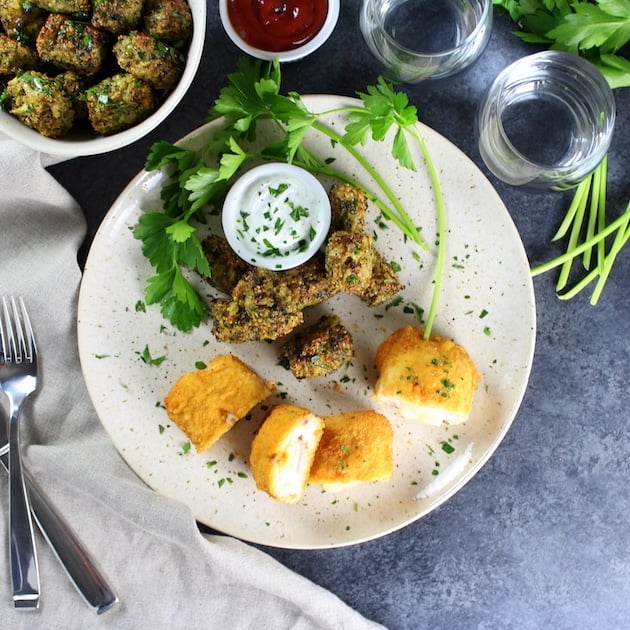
(283,450)
(356,447)
(432,380)
(207,403)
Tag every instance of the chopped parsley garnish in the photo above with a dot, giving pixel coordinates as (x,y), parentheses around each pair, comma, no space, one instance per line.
(146,357)
(276,192)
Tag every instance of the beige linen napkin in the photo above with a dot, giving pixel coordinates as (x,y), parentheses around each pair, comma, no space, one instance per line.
(165,572)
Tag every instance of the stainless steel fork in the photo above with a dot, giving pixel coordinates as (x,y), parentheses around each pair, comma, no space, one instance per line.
(18,379)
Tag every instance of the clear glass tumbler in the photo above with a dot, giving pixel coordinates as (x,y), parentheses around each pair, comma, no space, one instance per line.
(418,40)
(546,121)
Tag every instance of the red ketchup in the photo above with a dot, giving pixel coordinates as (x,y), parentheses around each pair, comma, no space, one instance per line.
(277,25)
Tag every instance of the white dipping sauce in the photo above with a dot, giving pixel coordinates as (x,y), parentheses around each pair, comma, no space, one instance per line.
(276,216)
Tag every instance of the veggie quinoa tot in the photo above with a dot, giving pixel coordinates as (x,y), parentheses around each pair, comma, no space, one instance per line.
(41,103)
(118,102)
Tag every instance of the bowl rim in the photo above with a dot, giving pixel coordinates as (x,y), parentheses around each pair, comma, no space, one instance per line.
(78,147)
(288,55)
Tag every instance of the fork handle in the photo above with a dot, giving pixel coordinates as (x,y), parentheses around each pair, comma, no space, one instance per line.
(24,569)
(69,550)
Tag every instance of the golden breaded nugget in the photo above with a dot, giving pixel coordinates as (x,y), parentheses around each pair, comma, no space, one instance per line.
(283,450)
(206,403)
(432,380)
(356,447)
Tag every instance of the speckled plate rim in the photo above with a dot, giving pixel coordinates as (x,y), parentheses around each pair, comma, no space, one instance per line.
(487,305)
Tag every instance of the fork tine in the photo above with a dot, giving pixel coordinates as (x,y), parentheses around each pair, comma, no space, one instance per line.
(25,334)
(17,335)
(8,341)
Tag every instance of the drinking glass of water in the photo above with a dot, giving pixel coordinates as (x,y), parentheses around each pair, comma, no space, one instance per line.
(546,121)
(418,40)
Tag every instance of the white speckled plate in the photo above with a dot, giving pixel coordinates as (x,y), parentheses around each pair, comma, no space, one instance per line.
(487,305)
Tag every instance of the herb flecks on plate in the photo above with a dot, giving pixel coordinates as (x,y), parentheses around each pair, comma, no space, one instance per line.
(200,178)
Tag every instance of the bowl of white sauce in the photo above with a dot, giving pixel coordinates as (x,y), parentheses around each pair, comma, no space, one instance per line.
(276,216)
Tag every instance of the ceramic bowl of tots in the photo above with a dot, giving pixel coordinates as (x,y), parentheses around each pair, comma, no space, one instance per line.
(75,87)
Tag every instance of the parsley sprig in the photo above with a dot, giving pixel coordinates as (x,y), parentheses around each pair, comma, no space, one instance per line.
(596,30)
(200,178)
(585,225)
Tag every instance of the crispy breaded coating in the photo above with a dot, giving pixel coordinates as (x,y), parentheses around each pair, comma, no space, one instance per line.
(356,447)
(234,324)
(260,304)
(433,380)
(21,20)
(348,206)
(231,324)
(73,84)
(308,284)
(41,103)
(64,6)
(72,45)
(349,260)
(118,102)
(318,350)
(206,403)
(15,56)
(116,16)
(149,59)
(225,266)
(384,283)
(283,451)
(168,20)
(264,304)
(259,288)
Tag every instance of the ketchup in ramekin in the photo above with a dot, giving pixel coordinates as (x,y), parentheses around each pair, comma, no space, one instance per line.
(277,25)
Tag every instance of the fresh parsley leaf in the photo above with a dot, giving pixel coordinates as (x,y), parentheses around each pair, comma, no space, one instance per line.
(147,358)
(595,29)
(164,153)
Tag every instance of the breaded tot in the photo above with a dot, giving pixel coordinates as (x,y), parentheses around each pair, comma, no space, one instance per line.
(349,260)
(356,447)
(432,380)
(283,450)
(308,283)
(206,403)
(319,349)
(384,283)
(348,205)
(226,268)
